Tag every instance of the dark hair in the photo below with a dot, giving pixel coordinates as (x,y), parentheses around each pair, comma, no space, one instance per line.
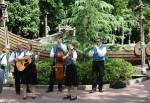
(73,45)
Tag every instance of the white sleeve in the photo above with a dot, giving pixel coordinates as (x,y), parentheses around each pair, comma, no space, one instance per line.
(75,55)
(64,47)
(52,53)
(0,56)
(21,55)
(102,52)
(36,57)
(91,53)
(12,57)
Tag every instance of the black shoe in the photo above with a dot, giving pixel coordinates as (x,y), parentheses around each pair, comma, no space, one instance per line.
(49,90)
(67,97)
(73,98)
(92,91)
(24,98)
(33,97)
(100,90)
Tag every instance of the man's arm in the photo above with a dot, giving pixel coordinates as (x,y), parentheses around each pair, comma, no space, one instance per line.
(91,52)
(102,52)
(64,48)
(52,53)
(12,57)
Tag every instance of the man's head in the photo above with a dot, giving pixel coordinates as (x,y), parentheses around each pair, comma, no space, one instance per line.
(19,45)
(71,46)
(98,41)
(59,41)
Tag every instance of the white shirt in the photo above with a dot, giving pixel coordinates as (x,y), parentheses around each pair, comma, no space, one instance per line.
(101,51)
(52,53)
(3,58)
(14,55)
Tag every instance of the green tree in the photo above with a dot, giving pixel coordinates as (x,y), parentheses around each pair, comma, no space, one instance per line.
(24,17)
(92,18)
(121,8)
(54,10)
(133,4)
(147,21)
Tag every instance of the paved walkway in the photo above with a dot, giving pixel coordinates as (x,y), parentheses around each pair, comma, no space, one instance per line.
(138,93)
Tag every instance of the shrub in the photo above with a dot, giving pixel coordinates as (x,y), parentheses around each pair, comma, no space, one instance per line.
(118,69)
(115,69)
(115,47)
(43,71)
(85,72)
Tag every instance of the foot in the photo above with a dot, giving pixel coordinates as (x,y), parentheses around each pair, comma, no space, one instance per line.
(67,97)
(73,98)
(100,90)
(33,97)
(24,97)
(92,91)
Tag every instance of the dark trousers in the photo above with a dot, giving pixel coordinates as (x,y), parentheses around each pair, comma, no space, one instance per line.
(52,81)
(17,77)
(97,73)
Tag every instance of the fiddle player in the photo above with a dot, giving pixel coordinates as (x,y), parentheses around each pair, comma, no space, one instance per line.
(29,74)
(55,49)
(71,78)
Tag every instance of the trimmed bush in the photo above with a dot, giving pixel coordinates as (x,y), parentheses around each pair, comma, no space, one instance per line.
(115,69)
(85,72)
(43,70)
(118,69)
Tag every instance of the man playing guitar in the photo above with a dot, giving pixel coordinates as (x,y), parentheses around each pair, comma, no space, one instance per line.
(16,55)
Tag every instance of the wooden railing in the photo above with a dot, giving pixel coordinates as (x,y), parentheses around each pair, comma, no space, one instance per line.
(14,39)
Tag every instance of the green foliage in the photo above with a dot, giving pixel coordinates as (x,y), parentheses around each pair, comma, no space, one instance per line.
(115,69)
(92,18)
(115,47)
(118,69)
(147,22)
(54,10)
(43,70)
(24,17)
(85,71)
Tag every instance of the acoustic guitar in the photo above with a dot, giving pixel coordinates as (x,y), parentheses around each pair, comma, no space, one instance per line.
(21,64)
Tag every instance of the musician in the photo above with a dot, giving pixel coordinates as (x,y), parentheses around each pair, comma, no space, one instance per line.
(62,47)
(98,55)
(71,79)
(29,74)
(3,62)
(18,53)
